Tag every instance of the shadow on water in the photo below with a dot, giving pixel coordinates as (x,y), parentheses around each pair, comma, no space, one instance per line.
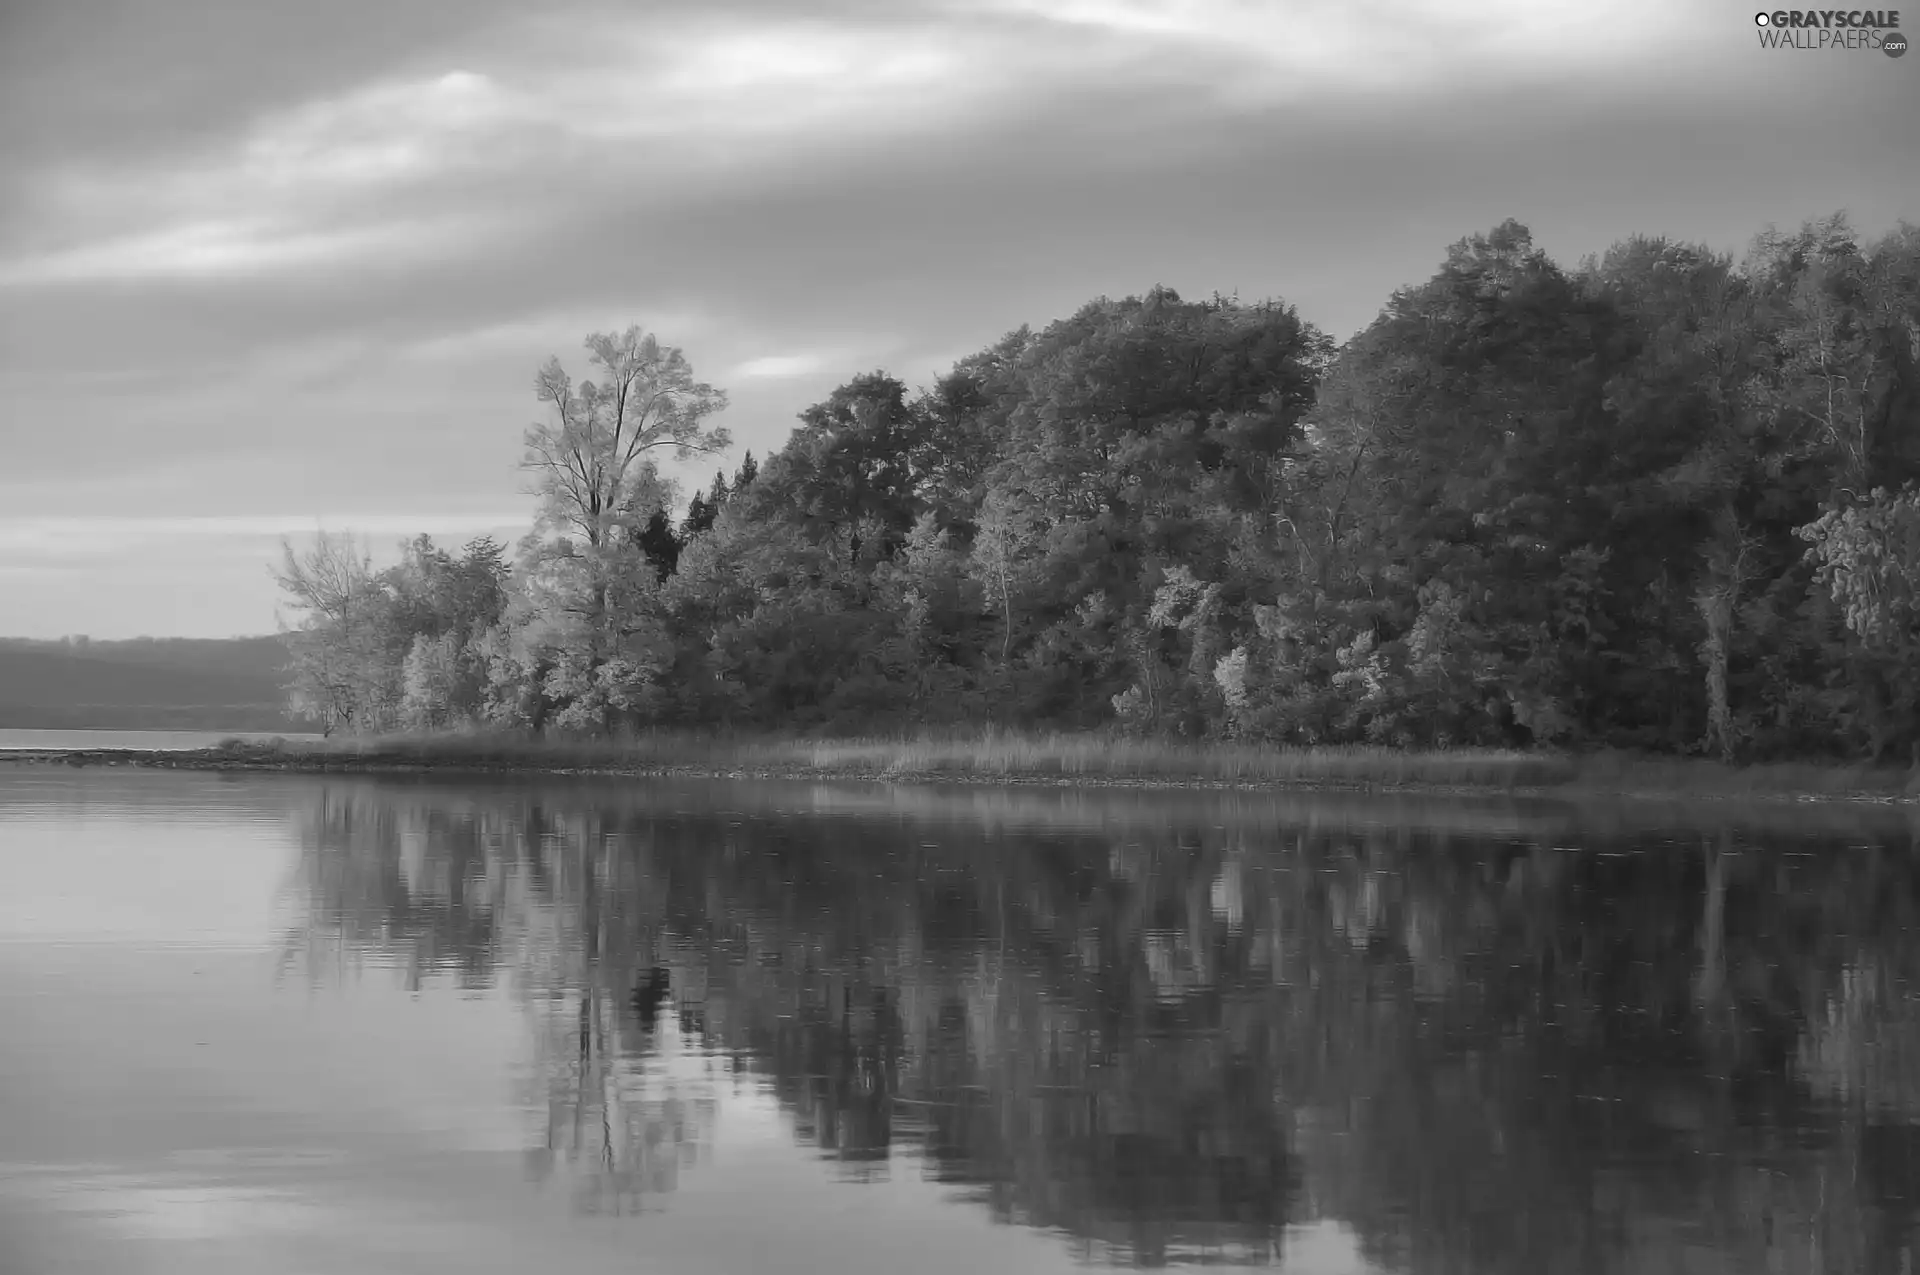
(1484,1036)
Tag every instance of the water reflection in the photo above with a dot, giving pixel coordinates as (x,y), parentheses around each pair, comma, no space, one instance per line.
(1490,1040)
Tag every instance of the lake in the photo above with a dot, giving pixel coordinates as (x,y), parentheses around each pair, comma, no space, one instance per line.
(316,1024)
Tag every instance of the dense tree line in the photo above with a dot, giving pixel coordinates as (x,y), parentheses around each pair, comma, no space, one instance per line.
(1664,500)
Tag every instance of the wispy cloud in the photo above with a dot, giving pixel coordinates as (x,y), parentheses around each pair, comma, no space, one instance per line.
(380,135)
(205,249)
(775,366)
(1321,46)
(560,333)
(398,166)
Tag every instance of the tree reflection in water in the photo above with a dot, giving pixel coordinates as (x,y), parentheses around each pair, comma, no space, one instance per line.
(1486,1037)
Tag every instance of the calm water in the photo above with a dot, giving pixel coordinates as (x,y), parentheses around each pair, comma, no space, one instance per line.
(159,740)
(305,1024)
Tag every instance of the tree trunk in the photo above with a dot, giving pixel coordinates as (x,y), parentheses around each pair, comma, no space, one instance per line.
(1716,608)
(1874,703)
(1006,609)
(1717,599)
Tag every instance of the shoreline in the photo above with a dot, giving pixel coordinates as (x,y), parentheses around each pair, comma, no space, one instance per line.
(258,759)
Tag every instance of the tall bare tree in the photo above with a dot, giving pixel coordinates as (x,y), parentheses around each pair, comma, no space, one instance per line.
(588,461)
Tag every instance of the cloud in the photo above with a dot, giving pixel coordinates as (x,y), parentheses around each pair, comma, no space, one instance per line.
(775,366)
(561,332)
(315,267)
(482,152)
(434,160)
(381,135)
(214,248)
(1283,52)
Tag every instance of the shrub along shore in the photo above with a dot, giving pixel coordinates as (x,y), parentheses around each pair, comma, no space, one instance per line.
(1017,758)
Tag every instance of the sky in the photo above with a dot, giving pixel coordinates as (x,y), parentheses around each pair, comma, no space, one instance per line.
(268,267)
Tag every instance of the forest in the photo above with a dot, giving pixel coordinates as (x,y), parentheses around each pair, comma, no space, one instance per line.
(1666,501)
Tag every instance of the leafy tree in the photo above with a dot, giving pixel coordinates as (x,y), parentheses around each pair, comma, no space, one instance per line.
(701,514)
(744,476)
(659,543)
(1868,557)
(336,642)
(770,629)
(431,683)
(845,475)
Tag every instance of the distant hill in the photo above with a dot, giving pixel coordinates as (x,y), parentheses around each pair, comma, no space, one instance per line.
(144,684)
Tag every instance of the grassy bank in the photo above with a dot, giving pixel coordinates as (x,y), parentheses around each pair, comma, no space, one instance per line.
(988,755)
(1007,757)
